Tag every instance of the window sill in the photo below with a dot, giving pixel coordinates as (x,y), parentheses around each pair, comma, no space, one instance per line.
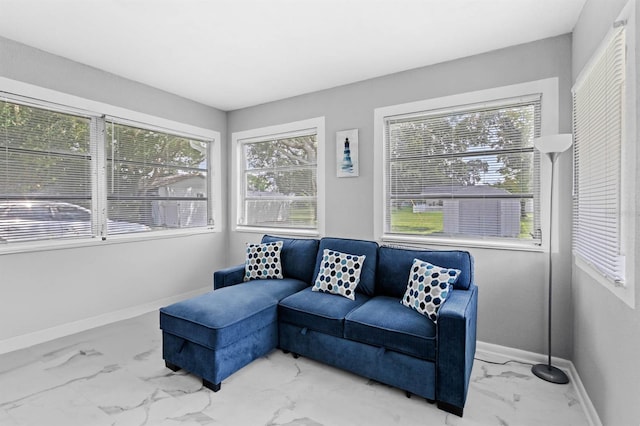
(294,232)
(36,246)
(420,242)
(624,292)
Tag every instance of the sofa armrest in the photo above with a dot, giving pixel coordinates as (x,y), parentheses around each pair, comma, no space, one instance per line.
(227,277)
(456,348)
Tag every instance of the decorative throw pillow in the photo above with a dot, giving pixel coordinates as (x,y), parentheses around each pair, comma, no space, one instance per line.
(428,287)
(339,273)
(263,261)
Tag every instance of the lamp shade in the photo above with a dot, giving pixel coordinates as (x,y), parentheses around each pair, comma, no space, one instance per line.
(553,143)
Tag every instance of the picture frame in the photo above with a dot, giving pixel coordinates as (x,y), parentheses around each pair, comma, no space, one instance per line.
(347,164)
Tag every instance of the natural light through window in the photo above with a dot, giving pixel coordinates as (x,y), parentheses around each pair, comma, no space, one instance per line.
(279,177)
(68,174)
(462,169)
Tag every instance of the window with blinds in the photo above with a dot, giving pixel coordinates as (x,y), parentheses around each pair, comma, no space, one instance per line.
(156,179)
(279,181)
(52,184)
(45,174)
(598,117)
(468,172)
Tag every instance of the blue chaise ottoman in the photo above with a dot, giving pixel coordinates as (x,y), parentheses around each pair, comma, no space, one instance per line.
(216,334)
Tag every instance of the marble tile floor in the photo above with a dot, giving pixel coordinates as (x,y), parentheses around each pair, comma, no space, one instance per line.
(115,375)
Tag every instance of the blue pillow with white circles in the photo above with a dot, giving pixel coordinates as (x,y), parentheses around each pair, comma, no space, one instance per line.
(263,261)
(428,287)
(339,273)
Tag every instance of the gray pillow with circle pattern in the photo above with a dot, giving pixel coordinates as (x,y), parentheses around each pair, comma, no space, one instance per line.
(339,273)
(428,287)
(263,261)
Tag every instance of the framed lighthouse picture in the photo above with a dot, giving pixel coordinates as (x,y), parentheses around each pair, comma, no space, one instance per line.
(347,153)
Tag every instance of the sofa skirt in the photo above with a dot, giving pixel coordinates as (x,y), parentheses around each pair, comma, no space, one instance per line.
(410,374)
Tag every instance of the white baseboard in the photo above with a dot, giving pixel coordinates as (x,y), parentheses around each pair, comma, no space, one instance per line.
(41,336)
(492,352)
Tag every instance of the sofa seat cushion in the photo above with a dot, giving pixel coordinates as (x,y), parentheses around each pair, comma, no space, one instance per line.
(221,317)
(318,311)
(384,322)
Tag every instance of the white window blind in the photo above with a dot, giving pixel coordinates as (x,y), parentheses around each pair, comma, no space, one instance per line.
(155,179)
(45,173)
(598,111)
(279,181)
(69,174)
(466,172)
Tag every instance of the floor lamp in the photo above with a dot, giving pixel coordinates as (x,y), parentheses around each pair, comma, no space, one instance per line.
(552,146)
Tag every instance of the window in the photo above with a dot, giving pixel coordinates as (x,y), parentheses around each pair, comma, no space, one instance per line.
(604,163)
(463,169)
(279,184)
(156,178)
(45,166)
(467,172)
(597,119)
(57,183)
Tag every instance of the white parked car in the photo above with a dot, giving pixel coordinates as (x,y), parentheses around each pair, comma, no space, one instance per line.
(39,220)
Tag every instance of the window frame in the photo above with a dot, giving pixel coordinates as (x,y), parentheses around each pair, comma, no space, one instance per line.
(549,124)
(111,121)
(271,132)
(40,97)
(626,290)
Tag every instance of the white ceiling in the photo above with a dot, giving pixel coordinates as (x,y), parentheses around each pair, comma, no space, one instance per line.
(230,54)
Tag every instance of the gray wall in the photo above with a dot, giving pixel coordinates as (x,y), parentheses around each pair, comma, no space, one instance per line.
(606,330)
(52,288)
(512,306)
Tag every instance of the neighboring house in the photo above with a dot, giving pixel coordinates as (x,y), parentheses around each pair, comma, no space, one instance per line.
(265,210)
(481,212)
(179,213)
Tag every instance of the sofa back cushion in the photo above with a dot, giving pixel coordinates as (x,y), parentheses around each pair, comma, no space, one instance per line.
(394,265)
(298,257)
(369,249)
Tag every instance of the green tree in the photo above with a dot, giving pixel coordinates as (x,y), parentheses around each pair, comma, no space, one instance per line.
(140,162)
(139,159)
(285,170)
(47,154)
(457,150)
(43,153)
(284,166)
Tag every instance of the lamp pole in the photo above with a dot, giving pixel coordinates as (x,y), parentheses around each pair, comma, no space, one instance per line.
(547,371)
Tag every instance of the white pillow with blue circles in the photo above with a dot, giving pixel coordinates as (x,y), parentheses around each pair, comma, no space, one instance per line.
(339,273)
(428,287)
(263,261)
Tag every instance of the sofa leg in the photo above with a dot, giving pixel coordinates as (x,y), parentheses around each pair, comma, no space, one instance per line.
(284,351)
(213,386)
(171,367)
(453,409)
(430,401)
(408,394)
(295,355)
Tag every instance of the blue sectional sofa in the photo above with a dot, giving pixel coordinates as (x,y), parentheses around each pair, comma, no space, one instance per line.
(368,332)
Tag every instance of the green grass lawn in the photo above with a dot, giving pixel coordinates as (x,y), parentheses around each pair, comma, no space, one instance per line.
(526,226)
(404,220)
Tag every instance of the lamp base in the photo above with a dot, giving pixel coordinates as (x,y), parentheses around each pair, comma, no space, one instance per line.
(550,374)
